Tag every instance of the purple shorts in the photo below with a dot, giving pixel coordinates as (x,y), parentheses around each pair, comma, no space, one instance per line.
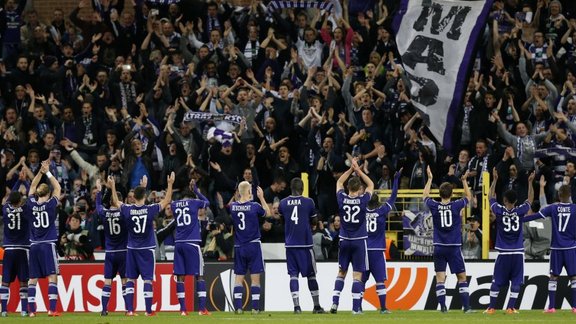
(140,263)
(300,261)
(15,263)
(43,260)
(377,265)
(448,255)
(563,259)
(509,268)
(188,260)
(353,251)
(115,263)
(248,258)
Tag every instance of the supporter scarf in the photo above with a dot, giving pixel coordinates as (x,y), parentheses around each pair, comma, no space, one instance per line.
(282,4)
(202,116)
(127,93)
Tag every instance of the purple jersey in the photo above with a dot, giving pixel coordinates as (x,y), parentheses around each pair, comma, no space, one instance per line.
(16,229)
(509,236)
(376,227)
(352,211)
(447,221)
(187,225)
(297,212)
(43,218)
(563,217)
(246,223)
(140,223)
(115,230)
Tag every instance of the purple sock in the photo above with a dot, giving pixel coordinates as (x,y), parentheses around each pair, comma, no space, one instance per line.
(53,295)
(356,295)
(314,291)
(514,291)
(338,286)
(148,296)
(32,298)
(180,289)
(552,284)
(238,292)
(441,295)
(24,298)
(494,291)
(295,291)
(201,291)
(4,295)
(464,294)
(255,292)
(129,296)
(105,297)
(381,292)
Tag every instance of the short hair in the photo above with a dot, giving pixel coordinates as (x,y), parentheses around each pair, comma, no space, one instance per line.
(354,184)
(564,193)
(374,201)
(139,193)
(510,196)
(76,216)
(244,188)
(297,186)
(446,190)
(43,190)
(14,198)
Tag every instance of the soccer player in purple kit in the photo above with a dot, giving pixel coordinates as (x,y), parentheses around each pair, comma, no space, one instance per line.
(187,254)
(563,245)
(116,239)
(509,265)
(352,209)
(376,226)
(43,217)
(448,238)
(247,247)
(16,247)
(299,212)
(140,257)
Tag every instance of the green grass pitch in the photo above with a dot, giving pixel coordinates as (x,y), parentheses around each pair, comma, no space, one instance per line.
(563,316)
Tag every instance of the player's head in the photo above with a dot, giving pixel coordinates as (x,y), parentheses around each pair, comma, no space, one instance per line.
(43,190)
(15,198)
(187,194)
(374,201)
(297,186)
(510,197)
(354,184)
(139,193)
(445,190)
(564,193)
(245,189)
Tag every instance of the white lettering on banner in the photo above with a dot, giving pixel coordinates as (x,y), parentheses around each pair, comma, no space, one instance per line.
(410,286)
(167,293)
(75,288)
(93,287)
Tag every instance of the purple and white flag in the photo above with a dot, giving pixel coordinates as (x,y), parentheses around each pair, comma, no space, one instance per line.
(436,41)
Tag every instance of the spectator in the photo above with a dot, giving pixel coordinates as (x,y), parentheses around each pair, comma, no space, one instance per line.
(74,243)
(472,239)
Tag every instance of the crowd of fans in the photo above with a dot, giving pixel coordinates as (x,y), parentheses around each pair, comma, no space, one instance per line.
(111,87)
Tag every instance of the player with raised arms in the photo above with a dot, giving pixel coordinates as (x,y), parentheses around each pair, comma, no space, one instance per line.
(188,259)
(447,220)
(41,208)
(140,257)
(563,245)
(352,209)
(509,265)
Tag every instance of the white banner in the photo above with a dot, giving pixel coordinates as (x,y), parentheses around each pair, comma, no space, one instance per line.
(411,286)
(436,41)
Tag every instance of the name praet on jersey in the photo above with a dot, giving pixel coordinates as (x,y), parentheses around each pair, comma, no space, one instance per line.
(444,207)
